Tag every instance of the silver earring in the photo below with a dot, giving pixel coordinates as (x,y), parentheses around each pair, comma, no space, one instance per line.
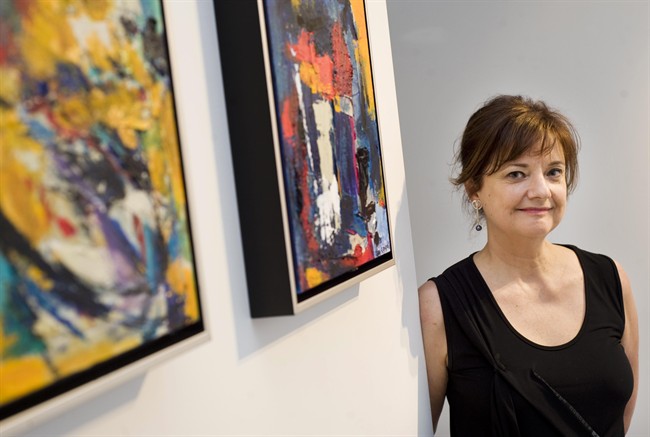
(476,204)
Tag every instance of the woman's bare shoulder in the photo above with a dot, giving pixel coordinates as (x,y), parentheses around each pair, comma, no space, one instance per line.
(430,307)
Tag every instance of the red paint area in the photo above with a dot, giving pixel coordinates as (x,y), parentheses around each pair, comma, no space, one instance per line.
(342,63)
(360,255)
(306,219)
(288,119)
(139,233)
(289,116)
(67,228)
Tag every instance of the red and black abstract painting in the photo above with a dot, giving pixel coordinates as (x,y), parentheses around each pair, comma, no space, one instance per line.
(329,138)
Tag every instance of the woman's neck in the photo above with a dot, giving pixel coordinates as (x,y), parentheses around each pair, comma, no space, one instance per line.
(528,257)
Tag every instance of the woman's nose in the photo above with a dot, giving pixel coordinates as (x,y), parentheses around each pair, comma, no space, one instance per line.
(539,187)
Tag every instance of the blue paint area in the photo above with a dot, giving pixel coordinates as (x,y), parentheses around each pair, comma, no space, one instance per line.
(175,243)
(152,9)
(345,155)
(51,304)
(7,276)
(33,88)
(37,130)
(19,297)
(17,317)
(176,308)
(154,267)
(383,230)
(70,79)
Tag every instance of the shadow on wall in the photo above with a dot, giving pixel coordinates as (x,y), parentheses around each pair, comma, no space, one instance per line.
(66,423)
(411,331)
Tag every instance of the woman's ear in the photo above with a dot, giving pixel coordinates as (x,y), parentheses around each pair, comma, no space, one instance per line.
(471,190)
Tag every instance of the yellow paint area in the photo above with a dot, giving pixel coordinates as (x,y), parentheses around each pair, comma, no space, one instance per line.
(162,151)
(181,279)
(7,340)
(381,195)
(314,277)
(71,113)
(97,10)
(171,150)
(362,53)
(37,276)
(81,355)
(122,110)
(46,37)
(22,166)
(99,53)
(315,74)
(133,62)
(21,376)
(10,84)
(157,169)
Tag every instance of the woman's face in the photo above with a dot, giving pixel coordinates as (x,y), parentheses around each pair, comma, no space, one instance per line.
(527,196)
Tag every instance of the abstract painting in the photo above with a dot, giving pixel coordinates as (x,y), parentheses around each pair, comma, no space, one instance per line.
(96,257)
(329,137)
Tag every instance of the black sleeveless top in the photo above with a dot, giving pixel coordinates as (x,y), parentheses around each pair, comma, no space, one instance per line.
(502,384)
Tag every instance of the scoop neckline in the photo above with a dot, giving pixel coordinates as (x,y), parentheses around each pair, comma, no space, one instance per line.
(514,330)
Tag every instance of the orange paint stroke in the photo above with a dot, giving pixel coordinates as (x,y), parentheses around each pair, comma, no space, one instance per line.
(317,72)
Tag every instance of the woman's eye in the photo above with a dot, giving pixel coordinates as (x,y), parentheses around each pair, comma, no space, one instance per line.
(556,172)
(515,175)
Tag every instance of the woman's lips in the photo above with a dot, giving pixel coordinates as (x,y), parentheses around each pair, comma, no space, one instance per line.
(534,210)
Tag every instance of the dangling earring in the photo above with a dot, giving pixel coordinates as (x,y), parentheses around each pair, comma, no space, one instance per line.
(476,204)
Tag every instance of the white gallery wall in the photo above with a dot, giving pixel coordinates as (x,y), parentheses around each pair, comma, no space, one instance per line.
(351,365)
(590,60)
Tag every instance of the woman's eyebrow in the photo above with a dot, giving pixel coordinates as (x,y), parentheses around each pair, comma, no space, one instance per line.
(524,165)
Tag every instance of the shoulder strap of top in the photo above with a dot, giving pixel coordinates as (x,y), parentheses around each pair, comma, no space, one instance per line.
(602,279)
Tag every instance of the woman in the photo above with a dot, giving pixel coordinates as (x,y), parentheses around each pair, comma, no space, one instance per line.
(527,337)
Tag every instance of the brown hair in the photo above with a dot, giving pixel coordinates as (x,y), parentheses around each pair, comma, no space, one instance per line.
(503,129)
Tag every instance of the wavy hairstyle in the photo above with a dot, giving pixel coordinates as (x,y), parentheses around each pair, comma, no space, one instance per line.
(506,127)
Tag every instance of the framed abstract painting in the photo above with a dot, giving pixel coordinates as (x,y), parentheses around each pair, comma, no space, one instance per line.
(97,268)
(306,148)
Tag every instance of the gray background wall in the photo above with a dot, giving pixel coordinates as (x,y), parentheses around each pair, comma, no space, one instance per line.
(588,59)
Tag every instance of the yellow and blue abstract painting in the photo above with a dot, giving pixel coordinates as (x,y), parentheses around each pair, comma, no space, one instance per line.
(96,256)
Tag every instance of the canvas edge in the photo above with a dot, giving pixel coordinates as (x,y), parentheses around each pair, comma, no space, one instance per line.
(278,154)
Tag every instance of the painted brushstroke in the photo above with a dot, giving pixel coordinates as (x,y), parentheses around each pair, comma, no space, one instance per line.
(329,137)
(95,250)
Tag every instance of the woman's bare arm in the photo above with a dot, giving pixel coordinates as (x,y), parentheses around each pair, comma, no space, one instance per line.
(630,341)
(435,347)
